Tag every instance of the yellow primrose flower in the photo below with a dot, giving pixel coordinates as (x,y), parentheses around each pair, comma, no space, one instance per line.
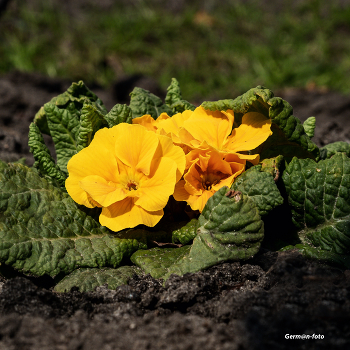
(204,129)
(128,171)
(207,173)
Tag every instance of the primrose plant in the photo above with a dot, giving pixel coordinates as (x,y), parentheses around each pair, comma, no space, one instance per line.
(168,188)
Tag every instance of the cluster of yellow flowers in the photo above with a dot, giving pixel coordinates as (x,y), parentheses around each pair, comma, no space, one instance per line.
(131,170)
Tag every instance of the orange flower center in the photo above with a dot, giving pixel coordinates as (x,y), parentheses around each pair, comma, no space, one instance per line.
(132,186)
(210,180)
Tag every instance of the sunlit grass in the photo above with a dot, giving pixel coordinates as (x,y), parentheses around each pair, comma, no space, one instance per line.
(216,51)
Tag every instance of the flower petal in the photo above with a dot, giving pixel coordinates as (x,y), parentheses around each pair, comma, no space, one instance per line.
(167,149)
(253,131)
(199,202)
(157,187)
(147,121)
(77,193)
(201,157)
(252,158)
(173,124)
(102,191)
(217,164)
(97,159)
(225,182)
(193,181)
(180,193)
(135,146)
(125,214)
(211,126)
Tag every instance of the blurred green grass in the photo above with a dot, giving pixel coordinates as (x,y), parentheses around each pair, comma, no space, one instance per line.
(216,49)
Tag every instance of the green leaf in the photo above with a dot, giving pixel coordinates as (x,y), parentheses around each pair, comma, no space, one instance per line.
(289,137)
(185,234)
(174,99)
(40,119)
(331,149)
(319,197)
(88,279)
(228,229)
(272,166)
(158,261)
(64,127)
(259,185)
(79,92)
(91,120)
(309,126)
(43,160)
(3,165)
(43,231)
(71,119)
(143,102)
(76,93)
(325,256)
(119,114)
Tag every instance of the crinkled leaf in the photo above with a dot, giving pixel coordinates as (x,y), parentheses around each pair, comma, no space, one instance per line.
(185,234)
(228,229)
(79,92)
(289,137)
(72,119)
(309,126)
(91,120)
(144,102)
(64,127)
(319,197)
(272,166)
(88,279)
(158,261)
(325,256)
(174,98)
(43,160)
(76,93)
(21,161)
(43,231)
(254,100)
(119,114)
(260,186)
(40,118)
(332,148)
(145,236)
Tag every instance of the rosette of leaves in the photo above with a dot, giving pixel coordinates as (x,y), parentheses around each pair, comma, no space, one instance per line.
(43,231)
(319,198)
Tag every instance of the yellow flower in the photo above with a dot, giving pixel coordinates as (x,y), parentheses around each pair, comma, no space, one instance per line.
(214,130)
(128,171)
(207,173)
(204,129)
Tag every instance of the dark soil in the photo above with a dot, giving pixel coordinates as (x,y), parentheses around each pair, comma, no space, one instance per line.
(250,305)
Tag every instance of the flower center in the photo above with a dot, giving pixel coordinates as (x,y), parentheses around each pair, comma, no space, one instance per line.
(132,186)
(210,180)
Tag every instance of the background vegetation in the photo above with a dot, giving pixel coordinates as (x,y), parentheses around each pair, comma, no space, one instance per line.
(216,49)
